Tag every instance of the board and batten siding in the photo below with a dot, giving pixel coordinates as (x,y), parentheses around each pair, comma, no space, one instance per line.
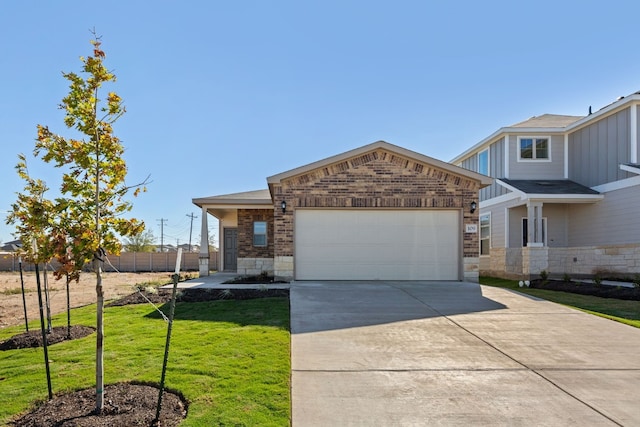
(537,169)
(596,151)
(496,169)
(611,221)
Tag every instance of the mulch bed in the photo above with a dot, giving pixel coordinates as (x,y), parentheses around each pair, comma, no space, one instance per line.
(603,291)
(125,404)
(199,295)
(33,338)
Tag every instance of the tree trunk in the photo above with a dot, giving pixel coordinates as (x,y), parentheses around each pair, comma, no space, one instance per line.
(99,339)
(47,300)
(68,310)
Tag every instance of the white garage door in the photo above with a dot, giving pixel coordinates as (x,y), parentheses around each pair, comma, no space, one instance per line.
(377,245)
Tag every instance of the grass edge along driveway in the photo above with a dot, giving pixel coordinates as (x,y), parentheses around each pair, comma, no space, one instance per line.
(231,359)
(627,312)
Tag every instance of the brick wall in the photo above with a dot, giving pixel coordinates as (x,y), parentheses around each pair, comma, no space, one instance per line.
(379,179)
(246,218)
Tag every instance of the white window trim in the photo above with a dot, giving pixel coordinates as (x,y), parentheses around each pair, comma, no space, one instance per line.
(480,235)
(534,160)
(488,161)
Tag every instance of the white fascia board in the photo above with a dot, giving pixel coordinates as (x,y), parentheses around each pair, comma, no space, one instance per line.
(631,169)
(498,200)
(520,193)
(565,198)
(566,156)
(617,185)
(633,133)
(609,109)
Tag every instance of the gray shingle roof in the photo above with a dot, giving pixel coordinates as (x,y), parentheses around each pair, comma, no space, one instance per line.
(548,186)
(548,121)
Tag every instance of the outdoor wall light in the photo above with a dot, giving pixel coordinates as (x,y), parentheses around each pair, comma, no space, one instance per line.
(474,205)
(283,205)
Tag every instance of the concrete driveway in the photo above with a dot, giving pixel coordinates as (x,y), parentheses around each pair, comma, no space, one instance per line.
(451,353)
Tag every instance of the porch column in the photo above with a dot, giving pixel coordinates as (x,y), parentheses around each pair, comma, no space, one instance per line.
(534,224)
(535,257)
(203,257)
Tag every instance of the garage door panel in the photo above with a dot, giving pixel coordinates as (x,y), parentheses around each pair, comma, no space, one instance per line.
(377,245)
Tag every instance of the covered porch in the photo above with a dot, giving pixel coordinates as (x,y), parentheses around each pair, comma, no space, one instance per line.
(537,225)
(231,229)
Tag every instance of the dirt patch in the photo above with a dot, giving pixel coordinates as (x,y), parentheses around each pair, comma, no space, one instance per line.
(603,291)
(125,404)
(115,285)
(33,338)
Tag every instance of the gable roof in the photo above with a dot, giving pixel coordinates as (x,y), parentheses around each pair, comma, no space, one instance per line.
(551,123)
(482,179)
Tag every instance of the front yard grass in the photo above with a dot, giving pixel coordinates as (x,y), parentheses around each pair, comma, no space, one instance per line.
(229,358)
(623,311)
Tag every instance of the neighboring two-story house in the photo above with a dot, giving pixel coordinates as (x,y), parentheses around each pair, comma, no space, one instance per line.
(565,194)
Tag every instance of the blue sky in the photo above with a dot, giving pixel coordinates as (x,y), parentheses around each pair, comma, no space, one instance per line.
(220,95)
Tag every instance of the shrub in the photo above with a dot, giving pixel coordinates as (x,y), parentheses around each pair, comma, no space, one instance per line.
(544,275)
(597,280)
(566,277)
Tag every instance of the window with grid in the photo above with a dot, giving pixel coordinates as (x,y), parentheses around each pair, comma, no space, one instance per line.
(533,148)
(260,233)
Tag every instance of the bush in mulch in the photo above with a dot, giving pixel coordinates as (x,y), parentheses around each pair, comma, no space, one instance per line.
(58,334)
(125,404)
(263,278)
(603,291)
(163,296)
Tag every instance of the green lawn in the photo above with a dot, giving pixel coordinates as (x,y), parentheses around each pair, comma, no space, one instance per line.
(230,359)
(619,310)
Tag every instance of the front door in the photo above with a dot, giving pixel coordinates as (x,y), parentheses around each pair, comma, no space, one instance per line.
(230,249)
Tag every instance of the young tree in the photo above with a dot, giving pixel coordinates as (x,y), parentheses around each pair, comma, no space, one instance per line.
(33,216)
(93,182)
(143,242)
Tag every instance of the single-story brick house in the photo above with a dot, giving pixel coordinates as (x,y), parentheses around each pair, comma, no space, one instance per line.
(378,212)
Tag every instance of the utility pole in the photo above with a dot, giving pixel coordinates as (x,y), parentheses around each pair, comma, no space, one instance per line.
(192,216)
(162,221)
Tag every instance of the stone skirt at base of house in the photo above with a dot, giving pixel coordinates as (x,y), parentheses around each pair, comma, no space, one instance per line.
(577,262)
(255,266)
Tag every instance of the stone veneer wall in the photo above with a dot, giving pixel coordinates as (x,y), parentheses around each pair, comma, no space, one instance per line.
(255,266)
(623,260)
(378,179)
(518,263)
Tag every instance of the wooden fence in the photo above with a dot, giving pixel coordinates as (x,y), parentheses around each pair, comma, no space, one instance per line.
(132,262)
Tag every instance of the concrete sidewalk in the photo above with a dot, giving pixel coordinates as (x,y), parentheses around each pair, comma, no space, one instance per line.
(451,353)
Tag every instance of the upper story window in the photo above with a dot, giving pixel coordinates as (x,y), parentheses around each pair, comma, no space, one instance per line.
(260,233)
(483,162)
(533,148)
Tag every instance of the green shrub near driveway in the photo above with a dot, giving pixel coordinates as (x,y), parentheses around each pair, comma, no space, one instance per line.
(231,359)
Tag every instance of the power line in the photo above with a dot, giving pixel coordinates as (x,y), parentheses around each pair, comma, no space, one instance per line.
(162,221)
(192,216)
